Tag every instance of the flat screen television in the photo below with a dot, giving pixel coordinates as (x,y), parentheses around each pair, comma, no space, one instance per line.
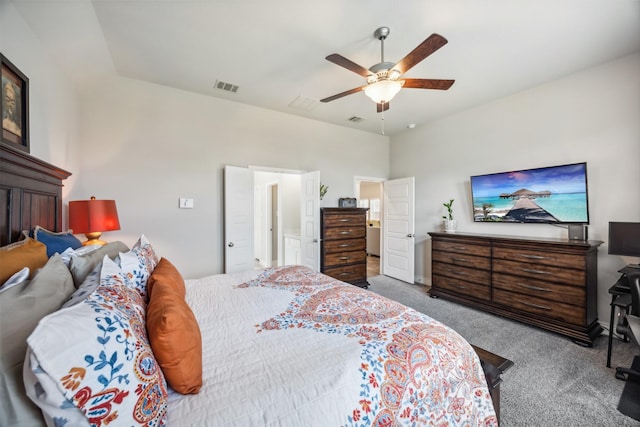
(552,195)
(624,238)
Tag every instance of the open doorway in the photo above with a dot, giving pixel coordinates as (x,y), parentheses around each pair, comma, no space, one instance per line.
(277,216)
(369,193)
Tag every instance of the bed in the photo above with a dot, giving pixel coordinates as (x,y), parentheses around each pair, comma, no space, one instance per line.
(279,346)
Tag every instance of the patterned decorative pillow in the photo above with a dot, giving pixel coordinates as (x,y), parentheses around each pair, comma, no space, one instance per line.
(94,359)
(138,264)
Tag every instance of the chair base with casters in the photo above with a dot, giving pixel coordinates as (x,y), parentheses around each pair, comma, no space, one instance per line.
(632,328)
(629,403)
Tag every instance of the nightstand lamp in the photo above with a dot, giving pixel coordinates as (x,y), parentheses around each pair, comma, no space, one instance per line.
(92,217)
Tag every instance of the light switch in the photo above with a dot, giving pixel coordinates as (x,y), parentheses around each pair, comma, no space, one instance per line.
(186,204)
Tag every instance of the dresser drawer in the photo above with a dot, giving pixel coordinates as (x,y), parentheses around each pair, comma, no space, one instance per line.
(461,247)
(341,258)
(462,259)
(468,274)
(540,272)
(532,256)
(345,232)
(461,287)
(539,306)
(348,273)
(344,220)
(331,246)
(541,289)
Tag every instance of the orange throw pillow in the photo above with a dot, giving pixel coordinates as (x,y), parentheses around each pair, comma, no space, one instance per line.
(25,253)
(166,274)
(175,339)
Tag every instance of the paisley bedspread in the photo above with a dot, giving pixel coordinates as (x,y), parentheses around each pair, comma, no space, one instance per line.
(292,347)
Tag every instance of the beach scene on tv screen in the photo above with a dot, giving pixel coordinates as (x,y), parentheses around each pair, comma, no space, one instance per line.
(550,195)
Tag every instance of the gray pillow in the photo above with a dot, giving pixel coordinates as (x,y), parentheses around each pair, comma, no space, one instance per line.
(82,265)
(21,308)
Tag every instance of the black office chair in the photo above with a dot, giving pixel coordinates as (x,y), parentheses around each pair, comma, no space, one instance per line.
(629,403)
(630,327)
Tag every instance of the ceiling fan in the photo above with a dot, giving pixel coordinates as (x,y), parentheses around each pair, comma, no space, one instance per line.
(383,79)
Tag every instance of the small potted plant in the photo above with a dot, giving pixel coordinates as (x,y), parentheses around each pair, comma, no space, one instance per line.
(450,224)
(323,190)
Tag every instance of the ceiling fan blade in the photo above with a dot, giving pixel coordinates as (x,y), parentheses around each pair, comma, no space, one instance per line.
(424,49)
(345,93)
(348,64)
(428,83)
(383,106)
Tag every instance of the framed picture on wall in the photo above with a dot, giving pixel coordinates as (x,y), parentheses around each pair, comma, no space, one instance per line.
(15,106)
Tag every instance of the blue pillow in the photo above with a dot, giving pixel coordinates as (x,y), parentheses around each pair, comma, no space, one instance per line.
(56,242)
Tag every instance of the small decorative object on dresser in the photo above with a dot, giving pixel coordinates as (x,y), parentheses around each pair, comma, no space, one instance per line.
(449,223)
(545,282)
(347,202)
(343,255)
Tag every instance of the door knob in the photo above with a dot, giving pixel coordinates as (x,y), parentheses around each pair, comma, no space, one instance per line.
(410,235)
(230,244)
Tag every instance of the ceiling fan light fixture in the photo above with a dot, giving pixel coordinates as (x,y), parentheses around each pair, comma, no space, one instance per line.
(384,90)
(393,74)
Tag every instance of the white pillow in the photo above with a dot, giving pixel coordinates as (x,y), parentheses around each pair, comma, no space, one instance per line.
(18,277)
(94,358)
(70,253)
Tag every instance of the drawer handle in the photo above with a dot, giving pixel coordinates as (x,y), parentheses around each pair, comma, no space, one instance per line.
(345,258)
(460,259)
(533,256)
(534,288)
(344,274)
(529,270)
(459,248)
(460,273)
(345,220)
(345,232)
(345,245)
(542,307)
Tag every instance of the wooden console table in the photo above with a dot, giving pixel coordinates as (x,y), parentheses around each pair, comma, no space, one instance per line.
(545,282)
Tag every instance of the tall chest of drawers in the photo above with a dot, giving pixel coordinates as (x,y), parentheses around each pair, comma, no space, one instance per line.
(343,250)
(549,283)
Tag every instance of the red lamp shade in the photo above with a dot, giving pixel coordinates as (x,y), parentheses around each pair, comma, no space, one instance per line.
(92,217)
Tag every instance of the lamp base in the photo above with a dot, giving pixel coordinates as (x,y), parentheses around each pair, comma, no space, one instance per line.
(94,239)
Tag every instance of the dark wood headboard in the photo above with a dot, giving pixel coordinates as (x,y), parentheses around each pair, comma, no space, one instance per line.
(30,194)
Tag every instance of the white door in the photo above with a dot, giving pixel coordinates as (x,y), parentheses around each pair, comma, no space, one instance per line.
(399,229)
(238,219)
(310,220)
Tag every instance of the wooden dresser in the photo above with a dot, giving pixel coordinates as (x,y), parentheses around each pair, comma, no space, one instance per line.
(343,254)
(545,282)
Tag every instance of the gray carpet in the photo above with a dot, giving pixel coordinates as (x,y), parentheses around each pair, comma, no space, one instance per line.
(554,382)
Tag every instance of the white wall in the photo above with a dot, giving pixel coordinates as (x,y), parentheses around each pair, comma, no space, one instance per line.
(591,116)
(145,146)
(53,104)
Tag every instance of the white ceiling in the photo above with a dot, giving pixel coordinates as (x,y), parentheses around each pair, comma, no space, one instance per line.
(274,50)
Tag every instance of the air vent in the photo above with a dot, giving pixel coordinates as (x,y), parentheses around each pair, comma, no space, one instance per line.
(227,87)
(304,103)
(355,119)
